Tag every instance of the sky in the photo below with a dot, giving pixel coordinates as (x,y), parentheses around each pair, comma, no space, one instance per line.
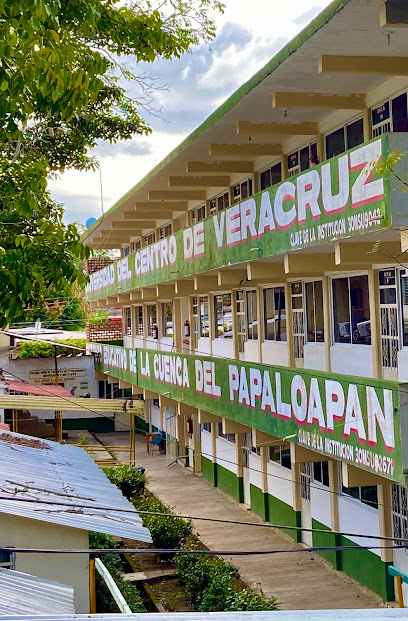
(248,35)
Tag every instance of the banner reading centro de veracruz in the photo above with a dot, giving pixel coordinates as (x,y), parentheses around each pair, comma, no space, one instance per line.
(341,198)
(353,419)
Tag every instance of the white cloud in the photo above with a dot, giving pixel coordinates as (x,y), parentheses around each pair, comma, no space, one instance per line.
(249,35)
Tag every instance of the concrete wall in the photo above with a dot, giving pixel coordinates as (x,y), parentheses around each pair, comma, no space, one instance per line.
(351,359)
(71,569)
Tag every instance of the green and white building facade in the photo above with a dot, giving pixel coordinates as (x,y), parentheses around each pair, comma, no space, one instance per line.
(264,290)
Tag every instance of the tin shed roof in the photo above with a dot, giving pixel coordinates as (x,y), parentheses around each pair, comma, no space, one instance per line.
(42,472)
(22,594)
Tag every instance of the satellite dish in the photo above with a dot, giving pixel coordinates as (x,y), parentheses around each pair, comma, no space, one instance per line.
(90,222)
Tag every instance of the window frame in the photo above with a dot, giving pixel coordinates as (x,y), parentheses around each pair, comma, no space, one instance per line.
(163,306)
(342,126)
(281,288)
(127,321)
(217,335)
(333,334)
(212,210)
(273,449)
(269,169)
(249,183)
(149,238)
(138,320)
(166,230)
(198,214)
(230,437)
(306,323)
(378,126)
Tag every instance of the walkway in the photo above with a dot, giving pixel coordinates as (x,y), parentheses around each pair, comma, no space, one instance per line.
(299,581)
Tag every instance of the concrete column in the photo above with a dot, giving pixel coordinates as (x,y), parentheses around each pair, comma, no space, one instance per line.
(297,499)
(177,327)
(385,518)
(259,316)
(214,452)
(197,466)
(327,321)
(181,436)
(367,125)
(264,469)
(239,453)
(289,324)
(284,167)
(374,296)
(211,318)
(321,152)
(234,323)
(334,494)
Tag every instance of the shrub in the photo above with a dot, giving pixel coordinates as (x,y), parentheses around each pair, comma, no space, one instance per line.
(167,532)
(112,562)
(34,349)
(245,599)
(129,480)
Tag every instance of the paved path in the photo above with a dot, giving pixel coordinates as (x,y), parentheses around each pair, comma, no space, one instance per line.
(300,581)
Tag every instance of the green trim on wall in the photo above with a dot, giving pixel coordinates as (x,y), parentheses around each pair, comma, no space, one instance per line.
(209,470)
(281,513)
(141,426)
(259,502)
(363,566)
(228,482)
(95,425)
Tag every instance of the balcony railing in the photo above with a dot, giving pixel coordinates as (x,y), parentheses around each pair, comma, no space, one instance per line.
(356,420)
(340,198)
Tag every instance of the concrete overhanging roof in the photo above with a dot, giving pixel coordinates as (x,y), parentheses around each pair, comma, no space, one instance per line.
(347,27)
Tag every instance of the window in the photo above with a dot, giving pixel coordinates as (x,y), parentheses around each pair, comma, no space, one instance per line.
(126,251)
(256,450)
(274,314)
(241,324)
(165,231)
(127,321)
(150,238)
(252,316)
(404,307)
(201,325)
(151,311)
(314,312)
(399,513)
(346,137)
(167,319)
(139,320)
(223,316)
(206,427)
(301,160)
(219,202)
(227,436)
(156,403)
(270,176)
(197,214)
(280,455)
(351,310)
(366,494)
(321,472)
(136,245)
(392,115)
(241,191)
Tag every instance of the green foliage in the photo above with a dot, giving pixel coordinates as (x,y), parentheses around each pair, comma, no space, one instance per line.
(82,440)
(62,79)
(210,582)
(130,481)
(104,600)
(34,349)
(167,532)
(98,316)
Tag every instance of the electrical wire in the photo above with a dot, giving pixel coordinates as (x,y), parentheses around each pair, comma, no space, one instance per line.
(178,551)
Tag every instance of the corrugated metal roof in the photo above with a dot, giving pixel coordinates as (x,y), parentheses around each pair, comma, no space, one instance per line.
(375,614)
(65,404)
(41,470)
(22,594)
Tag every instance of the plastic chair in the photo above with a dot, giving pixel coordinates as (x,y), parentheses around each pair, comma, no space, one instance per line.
(156,442)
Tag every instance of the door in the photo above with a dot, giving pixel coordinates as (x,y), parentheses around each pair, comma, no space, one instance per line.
(305,479)
(400,528)
(246,449)
(389,323)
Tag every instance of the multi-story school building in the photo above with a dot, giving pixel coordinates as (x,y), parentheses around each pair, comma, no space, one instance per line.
(264,288)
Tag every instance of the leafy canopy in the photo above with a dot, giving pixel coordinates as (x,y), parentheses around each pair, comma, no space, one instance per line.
(63,88)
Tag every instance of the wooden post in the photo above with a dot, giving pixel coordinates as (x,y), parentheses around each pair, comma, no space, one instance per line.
(326,321)
(92,586)
(14,421)
(400,596)
(58,425)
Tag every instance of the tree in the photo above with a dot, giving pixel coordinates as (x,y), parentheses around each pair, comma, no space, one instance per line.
(62,89)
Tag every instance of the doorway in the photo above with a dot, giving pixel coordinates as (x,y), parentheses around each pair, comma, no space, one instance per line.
(306,520)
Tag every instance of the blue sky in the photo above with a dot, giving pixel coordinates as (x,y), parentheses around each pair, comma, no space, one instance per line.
(248,35)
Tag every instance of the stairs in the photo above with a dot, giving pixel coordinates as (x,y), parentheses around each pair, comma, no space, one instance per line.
(34,426)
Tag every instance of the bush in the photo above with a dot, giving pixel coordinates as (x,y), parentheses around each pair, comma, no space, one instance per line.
(112,562)
(248,600)
(34,349)
(167,532)
(129,480)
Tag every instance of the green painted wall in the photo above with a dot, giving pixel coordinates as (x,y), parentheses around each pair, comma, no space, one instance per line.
(362,565)
(141,426)
(209,470)
(259,502)
(229,483)
(95,425)
(281,513)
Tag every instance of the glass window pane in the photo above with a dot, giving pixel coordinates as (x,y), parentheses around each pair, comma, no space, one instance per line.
(380,114)
(269,314)
(360,310)
(265,179)
(276,174)
(369,495)
(293,160)
(304,158)
(318,304)
(285,458)
(310,313)
(399,114)
(280,316)
(335,143)
(341,310)
(355,134)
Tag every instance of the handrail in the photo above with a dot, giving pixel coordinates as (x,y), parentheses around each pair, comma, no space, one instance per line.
(112,586)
